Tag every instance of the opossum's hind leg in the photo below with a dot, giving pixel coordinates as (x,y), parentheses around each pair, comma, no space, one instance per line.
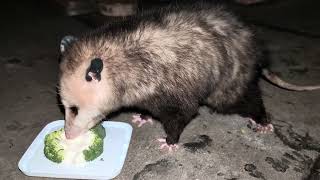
(174,120)
(250,105)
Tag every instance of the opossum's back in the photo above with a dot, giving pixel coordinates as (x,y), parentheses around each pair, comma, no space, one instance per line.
(200,17)
(194,48)
(221,49)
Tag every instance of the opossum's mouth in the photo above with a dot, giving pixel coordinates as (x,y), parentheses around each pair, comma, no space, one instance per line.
(73,132)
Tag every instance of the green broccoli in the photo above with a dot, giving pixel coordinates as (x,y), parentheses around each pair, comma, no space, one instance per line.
(85,148)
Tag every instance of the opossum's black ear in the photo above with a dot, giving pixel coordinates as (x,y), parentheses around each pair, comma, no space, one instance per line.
(66,42)
(94,70)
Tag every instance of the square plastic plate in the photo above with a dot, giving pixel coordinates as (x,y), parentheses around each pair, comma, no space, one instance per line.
(107,166)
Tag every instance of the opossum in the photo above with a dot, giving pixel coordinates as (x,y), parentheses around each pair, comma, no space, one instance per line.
(167,62)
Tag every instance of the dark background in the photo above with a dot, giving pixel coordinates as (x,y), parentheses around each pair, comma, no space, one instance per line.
(29,50)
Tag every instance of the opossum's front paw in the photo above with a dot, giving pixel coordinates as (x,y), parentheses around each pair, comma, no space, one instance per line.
(138,119)
(261,128)
(169,147)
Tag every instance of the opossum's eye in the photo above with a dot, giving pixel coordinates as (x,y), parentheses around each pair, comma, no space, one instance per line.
(94,70)
(74,110)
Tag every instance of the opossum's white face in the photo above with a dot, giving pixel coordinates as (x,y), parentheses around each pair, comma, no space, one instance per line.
(82,101)
(83,95)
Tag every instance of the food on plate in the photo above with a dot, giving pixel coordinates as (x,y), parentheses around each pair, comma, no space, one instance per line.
(81,149)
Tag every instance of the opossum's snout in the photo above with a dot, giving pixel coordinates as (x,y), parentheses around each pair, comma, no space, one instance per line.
(73,131)
(80,121)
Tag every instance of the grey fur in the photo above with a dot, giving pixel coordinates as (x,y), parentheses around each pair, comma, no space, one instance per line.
(170,61)
(192,48)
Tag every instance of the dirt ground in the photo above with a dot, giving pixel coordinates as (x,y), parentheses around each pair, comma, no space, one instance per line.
(213,146)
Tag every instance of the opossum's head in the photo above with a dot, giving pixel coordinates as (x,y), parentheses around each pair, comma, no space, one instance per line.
(83,86)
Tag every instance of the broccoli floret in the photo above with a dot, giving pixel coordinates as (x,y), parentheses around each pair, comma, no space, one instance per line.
(99,130)
(59,149)
(53,150)
(96,148)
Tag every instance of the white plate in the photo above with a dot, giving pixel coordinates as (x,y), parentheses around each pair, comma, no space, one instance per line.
(116,143)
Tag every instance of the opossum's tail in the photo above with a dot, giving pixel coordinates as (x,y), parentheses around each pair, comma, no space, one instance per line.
(273,78)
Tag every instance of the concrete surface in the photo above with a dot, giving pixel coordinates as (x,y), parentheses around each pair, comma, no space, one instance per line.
(212,146)
(296,16)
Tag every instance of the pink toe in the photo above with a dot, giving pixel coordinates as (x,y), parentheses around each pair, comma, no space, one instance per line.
(141,123)
(136,115)
(163,146)
(162,140)
(136,119)
(150,121)
(271,127)
(252,121)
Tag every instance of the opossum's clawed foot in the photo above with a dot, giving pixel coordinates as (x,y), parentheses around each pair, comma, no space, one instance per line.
(169,147)
(265,129)
(141,120)
(261,128)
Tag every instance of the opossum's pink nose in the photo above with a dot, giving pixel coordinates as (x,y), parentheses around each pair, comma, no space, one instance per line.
(70,135)
(73,132)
